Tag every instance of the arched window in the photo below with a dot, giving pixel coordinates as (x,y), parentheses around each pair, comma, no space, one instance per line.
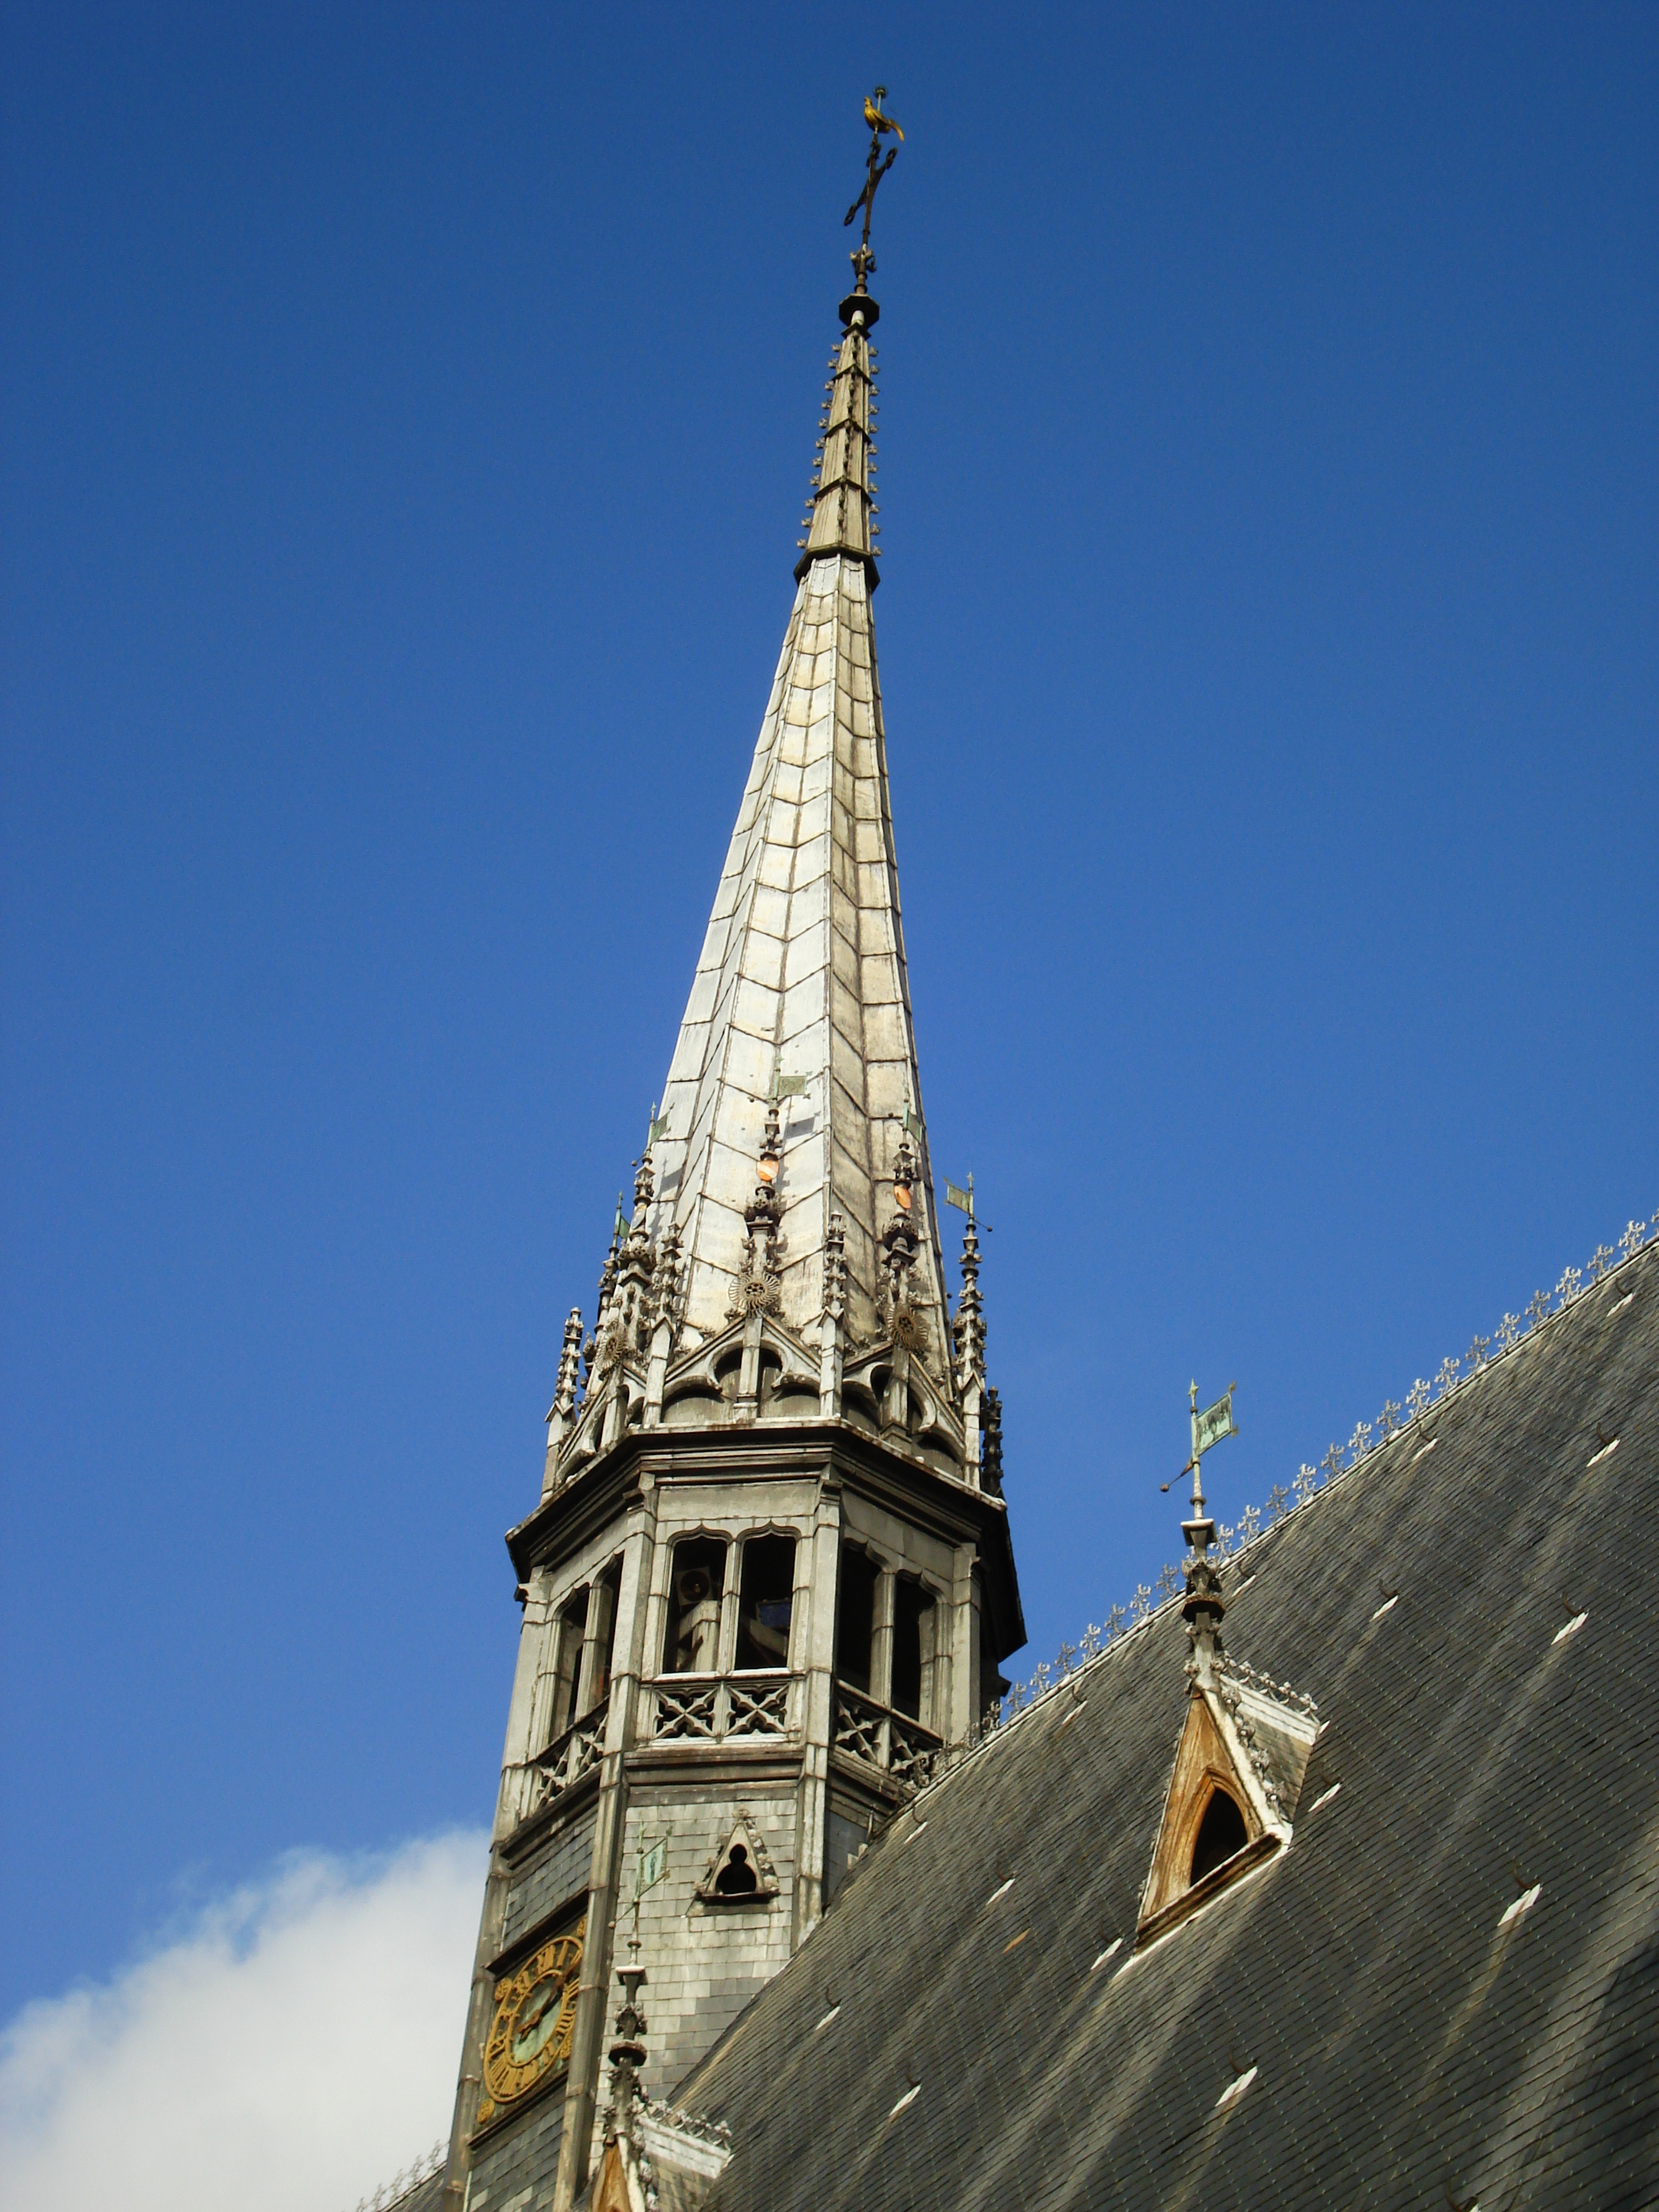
(697,1583)
(567,1662)
(913,1651)
(855,1623)
(603,1637)
(1220,1833)
(766,1598)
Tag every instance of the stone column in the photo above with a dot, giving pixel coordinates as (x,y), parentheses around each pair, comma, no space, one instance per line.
(596,1632)
(964,1646)
(532,1640)
(587,2037)
(881,1639)
(817,1567)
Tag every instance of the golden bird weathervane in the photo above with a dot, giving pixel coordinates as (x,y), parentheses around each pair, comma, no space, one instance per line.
(863,260)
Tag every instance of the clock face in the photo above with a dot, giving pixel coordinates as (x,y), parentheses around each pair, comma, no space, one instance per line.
(535,2015)
(536,2020)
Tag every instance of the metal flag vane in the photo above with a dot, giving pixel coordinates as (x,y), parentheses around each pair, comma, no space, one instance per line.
(654,1127)
(909,1121)
(1213,1424)
(650,1867)
(880,125)
(1210,1427)
(964,1202)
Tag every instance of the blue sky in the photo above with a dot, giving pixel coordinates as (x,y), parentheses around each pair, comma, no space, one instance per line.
(407,412)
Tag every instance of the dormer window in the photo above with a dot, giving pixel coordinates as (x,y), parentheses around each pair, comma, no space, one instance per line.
(1232,1792)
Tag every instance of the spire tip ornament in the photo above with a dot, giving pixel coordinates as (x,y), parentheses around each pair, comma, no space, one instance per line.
(858,306)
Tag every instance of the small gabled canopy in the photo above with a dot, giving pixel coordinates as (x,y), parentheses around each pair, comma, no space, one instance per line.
(657,2161)
(1237,1773)
(740,1871)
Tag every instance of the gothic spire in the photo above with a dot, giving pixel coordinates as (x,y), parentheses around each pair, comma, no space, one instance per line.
(796,1058)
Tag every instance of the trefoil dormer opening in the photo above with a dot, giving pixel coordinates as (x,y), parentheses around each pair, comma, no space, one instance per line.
(741,1870)
(1221,1832)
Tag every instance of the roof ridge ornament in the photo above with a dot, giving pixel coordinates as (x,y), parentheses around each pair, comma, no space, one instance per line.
(1204,1605)
(1393,1421)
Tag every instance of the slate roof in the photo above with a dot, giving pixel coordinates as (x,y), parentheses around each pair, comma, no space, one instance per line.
(1411,2047)
(425,2196)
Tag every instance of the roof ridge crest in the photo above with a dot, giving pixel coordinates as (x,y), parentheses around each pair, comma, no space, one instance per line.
(1124,1623)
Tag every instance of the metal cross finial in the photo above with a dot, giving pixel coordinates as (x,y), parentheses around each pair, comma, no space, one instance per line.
(863,260)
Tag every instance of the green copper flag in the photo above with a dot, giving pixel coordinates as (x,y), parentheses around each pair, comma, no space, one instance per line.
(958,1198)
(654,1864)
(1214,1423)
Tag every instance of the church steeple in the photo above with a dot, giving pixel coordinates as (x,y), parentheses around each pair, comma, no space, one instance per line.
(791,1114)
(770,1580)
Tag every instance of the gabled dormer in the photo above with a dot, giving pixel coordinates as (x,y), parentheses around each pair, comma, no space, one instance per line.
(1232,1796)
(1243,1749)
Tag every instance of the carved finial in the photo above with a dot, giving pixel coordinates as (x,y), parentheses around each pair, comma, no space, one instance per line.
(991,1448)
(835,1267)
(899,1238)
(765,1211)
(904,1176)
(665,1282)
(759,1284)
(628,2052)
(969,1327)
(565,1394)
(612,1263)
(771,1150)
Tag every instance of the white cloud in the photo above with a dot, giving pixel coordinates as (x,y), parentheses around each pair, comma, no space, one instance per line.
(291,2049)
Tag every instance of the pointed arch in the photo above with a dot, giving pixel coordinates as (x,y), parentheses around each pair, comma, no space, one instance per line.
(1218,1823)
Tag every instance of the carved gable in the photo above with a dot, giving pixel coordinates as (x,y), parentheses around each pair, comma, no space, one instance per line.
(741,1872)
(1237,1772)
